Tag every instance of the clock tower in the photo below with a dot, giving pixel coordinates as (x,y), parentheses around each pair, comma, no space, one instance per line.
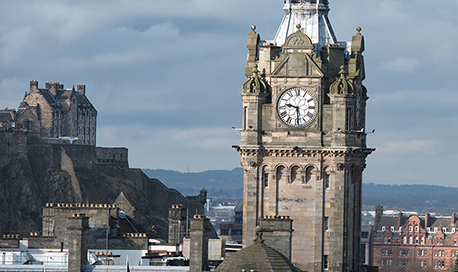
(303,140)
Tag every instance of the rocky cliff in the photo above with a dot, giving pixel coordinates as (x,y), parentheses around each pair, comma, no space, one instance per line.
(67,173)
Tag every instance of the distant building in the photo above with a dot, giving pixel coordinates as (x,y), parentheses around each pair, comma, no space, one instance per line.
(424,241)
(233,231)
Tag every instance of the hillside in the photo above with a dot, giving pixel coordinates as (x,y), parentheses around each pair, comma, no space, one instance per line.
(221,184)
(227,185)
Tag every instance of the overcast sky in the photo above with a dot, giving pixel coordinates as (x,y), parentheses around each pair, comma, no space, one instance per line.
(165,76)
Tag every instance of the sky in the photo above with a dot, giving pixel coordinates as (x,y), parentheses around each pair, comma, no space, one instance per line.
(166,76)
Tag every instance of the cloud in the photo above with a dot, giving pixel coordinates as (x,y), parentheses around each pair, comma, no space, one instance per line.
(402,65)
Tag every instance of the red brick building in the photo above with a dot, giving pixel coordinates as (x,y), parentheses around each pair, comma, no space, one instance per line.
(414,240)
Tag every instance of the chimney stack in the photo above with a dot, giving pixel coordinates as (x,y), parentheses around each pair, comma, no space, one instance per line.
(82,89)
(378,213)
(399,219)
(199,235)
(33,86)
(277,233)
(426,220)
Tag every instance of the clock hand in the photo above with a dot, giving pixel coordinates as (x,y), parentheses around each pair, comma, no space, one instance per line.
(298,112)
(292,106)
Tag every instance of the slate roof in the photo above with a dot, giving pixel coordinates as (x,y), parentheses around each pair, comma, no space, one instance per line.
(6,116)
(257,257)
(48,96)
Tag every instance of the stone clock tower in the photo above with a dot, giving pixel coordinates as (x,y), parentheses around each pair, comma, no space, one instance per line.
(303,140)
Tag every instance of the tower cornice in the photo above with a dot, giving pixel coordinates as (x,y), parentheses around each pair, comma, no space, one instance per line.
(301,151)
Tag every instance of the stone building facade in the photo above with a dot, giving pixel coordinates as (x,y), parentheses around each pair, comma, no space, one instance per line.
(63,112)
(105,222)
(415,240)
(303,140)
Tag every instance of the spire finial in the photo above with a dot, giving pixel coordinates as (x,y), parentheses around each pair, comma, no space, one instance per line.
(359,30)
(253,28)
(298,26)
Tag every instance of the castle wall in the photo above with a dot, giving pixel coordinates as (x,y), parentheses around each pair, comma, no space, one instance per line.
(13,145)
(118,155)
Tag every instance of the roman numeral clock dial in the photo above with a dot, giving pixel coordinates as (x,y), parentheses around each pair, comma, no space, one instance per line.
(296,107)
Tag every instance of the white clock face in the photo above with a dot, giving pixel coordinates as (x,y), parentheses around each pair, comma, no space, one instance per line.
(296,107)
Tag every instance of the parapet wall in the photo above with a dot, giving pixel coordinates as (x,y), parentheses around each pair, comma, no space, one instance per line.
(118,155)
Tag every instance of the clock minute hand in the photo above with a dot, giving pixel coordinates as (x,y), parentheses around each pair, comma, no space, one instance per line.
(292,106)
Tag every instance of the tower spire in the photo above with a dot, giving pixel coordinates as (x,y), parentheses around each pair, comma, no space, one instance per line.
(312,15)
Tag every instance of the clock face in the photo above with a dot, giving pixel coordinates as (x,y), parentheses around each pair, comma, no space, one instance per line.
(296,107)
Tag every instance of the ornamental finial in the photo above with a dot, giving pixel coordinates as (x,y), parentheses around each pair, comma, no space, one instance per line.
(359,30)
(298,26)
(258,231)
(253,28)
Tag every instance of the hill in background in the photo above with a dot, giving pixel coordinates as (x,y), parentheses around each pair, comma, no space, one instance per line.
(222,185)
(227,185)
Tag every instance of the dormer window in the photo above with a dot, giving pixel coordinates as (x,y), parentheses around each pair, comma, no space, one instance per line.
(416,228)
(410,228)
(435,229)
(383,228)
(392,229)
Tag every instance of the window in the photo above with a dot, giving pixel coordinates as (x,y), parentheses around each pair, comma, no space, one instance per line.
(326,180)
(416,240)
(410,228)
(383,228)
(416,228)
(410,240)
(326,224)
(308,174)
(325,262)
(295,174)
(404,240)
(422,240)
(348,120)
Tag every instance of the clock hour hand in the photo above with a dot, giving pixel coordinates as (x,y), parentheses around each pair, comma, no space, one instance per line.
(292,106)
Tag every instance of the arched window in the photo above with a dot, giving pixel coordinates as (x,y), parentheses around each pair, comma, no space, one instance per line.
(410,240)
(404,240)
(308,174)
(416,228)
(295,174)
(281,173)
(410,228)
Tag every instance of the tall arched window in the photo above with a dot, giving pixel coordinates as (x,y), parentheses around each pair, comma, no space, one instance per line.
(281,173)
(295,174)
(308,174)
